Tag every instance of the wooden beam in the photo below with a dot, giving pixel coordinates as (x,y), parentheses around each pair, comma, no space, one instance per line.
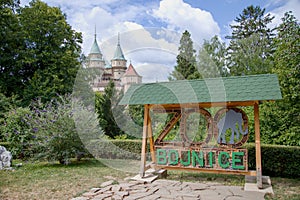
(257,146)
(151,140)
(208,170)
(144,141)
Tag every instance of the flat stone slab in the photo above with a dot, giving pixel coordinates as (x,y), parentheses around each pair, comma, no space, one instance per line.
(170,189)
(267,189)
(148,178)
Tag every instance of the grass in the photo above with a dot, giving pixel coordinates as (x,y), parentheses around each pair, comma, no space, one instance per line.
(54,181)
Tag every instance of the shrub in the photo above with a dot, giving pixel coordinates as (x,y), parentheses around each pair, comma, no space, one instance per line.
(16,130)
(55,131)
(277,160)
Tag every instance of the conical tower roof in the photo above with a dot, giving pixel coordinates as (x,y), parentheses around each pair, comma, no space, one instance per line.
(95,47)
(119,53)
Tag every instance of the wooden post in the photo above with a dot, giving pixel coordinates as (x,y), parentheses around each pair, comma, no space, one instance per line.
(144,140)
(257,146)
(151,140)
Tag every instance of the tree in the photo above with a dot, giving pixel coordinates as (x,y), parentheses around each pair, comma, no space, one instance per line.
(52,51)
(39,52)
(105,103)
(186,60)
(211,58)
(10,44)
(250,47)
(281,121)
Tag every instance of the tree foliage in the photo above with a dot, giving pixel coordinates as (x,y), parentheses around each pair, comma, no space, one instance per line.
(39,52)
(186,59)
(281,122)
(211,58)
(105,106)
(250,45)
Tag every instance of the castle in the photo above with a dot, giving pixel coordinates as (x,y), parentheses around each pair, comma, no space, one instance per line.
(117,71)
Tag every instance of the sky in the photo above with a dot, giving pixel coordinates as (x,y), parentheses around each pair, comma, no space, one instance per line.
(150,31)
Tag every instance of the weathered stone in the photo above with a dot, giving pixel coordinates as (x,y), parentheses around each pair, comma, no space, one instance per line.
(102,196)
(95,189)
(89,194)
(122,193)
(107,183)
(116,188)
(79,198)
(5,158)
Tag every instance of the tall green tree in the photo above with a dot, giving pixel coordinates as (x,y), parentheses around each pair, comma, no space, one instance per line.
(281,119)
(52,51)
(11,73)
(105,105)
(39,51)
(186,59)
(250,47)
(211,58)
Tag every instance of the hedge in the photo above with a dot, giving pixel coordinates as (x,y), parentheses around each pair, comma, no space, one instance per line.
(277,160)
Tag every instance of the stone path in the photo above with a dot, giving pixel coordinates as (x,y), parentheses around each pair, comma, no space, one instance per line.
(168,189)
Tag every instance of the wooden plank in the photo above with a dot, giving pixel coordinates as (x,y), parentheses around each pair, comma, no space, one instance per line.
(257,146)
(208,170)
(144,141)
(151,139)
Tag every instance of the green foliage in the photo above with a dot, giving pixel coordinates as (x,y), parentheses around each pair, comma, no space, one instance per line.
(55,131)
(39,51)
(186,60)
(250,47)
(211,58)
(17,132)
(117,149)
(280,161)
(106,105)
(281,120)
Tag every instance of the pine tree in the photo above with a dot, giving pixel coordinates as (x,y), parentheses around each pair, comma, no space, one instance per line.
(211,58)
(250,47)
(186,60)
(105,104)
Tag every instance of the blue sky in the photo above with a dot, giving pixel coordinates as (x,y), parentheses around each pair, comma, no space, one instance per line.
(150,30)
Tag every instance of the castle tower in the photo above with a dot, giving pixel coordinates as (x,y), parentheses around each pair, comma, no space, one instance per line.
(96,63)
(118,63)
(130,77)
(95,57)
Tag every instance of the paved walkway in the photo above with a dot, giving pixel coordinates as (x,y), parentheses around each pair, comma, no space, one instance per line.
(168,189)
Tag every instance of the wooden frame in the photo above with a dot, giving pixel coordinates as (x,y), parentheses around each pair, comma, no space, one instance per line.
(147,134)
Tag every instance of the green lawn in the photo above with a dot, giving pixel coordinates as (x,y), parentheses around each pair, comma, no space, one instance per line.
(55,181)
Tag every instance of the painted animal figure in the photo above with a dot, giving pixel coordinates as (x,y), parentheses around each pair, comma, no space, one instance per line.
(229,122)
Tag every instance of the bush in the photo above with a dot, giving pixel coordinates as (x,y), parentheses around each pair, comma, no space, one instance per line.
(17,132)
(277,160)
(55,131)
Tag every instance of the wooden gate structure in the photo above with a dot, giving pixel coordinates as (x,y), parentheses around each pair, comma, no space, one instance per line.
(180,98)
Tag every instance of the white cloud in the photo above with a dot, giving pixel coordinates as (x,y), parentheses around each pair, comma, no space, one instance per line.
(284,6)
(180,16)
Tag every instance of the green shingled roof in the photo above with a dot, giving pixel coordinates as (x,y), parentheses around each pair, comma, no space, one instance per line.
(118,53)
(236,88)
(95,48)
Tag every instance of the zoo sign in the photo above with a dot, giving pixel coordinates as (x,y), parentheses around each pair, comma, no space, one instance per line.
(226,132)
(205,158)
